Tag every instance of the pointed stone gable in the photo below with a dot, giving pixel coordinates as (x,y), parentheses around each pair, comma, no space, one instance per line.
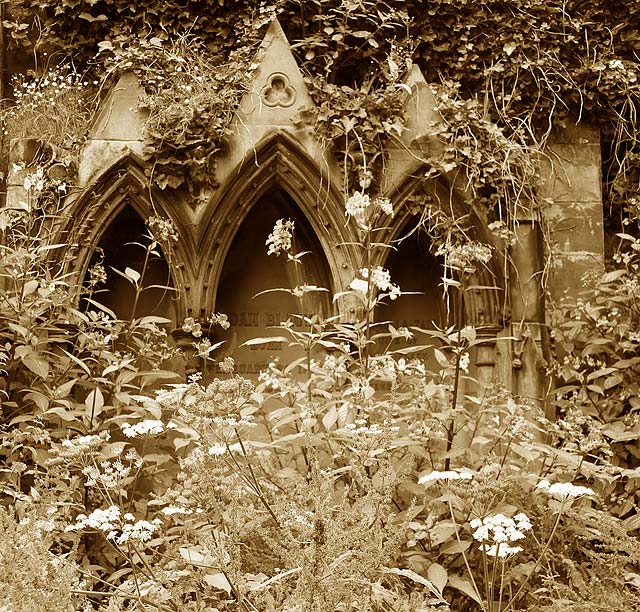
(276,98)
(277,92)
(117,130)
(408,150)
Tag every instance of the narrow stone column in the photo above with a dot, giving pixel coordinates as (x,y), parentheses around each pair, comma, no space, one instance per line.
(571,188)
(529,344)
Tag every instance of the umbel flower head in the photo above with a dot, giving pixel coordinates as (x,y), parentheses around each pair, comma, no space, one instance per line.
(563,491)
(448,475)
(495,532)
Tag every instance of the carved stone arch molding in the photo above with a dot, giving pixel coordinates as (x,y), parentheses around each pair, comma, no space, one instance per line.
(89,215)
(277,161)
(483,307)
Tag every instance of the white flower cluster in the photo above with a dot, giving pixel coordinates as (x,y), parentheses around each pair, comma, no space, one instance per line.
(148,427)
(448,475)
(465,257)
(102,520)
(217,449)
(361,208)
(82,445)
(564,490)
(112,475)
(280,239)
(356,206)
(120,529)
(163,229)
(191,326)
(380,280)
(219,319)
(495,532)
(140,531)
(171,510)
(34,181)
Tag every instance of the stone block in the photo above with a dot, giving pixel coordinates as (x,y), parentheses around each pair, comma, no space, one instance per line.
(570,273)
(576,226)
(99,155)
(571,173)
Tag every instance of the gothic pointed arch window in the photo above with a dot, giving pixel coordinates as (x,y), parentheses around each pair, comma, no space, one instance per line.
(418,273)
(123,252)
(249,276)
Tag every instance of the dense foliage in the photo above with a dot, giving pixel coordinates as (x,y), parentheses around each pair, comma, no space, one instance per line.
(361,476)
(528,64)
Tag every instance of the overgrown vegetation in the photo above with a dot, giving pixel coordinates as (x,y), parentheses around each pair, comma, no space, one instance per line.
(354,478)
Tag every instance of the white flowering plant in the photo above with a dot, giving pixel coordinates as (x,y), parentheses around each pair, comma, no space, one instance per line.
(55,106)
(597,339)
(371,472)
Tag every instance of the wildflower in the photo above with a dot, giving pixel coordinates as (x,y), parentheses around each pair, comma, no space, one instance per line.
(162,230)
(81,445)
(203,348)
(97,275)
(216,450)
(385,206)
(190,325)
(149,427)
(500,550)
(464,362)
(219,319)
(381,278)
(141,531)
(357,205)
(564,490)
(101,520)
(494,533)
(171,510)
(468,333)
(270,378)
(280,239)
(112,475)
(227,365)
(464,257)
(448,475)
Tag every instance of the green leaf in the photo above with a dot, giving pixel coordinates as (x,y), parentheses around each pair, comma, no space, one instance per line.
(36,364)
(438,576)
(258,341)
(407,573)
(464,586)
(134,275)
(454,547)
(94,403)
(218,581)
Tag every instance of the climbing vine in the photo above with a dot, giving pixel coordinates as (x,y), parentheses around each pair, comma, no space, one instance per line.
(520,67)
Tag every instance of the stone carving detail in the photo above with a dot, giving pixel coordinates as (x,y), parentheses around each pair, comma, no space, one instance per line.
(278,91)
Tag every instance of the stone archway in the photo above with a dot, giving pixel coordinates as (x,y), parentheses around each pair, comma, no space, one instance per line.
(249,276)
(123,189)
